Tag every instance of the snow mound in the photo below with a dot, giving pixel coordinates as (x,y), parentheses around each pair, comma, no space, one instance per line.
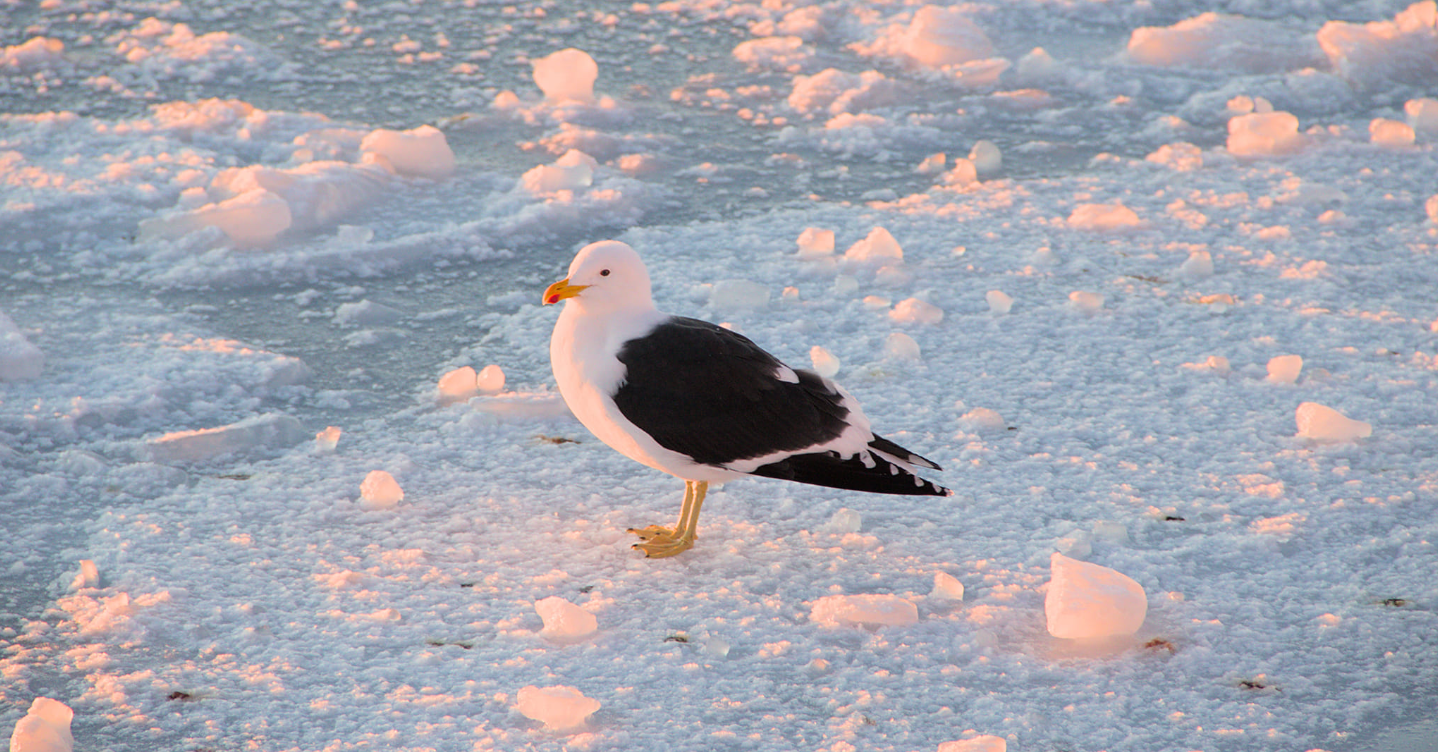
(1086,600)
(1223,42)
(559,708)
(825,362)
(563,621)
(1264,134)
(915,311)
(45,728)
(875,610)
(1284,369)
(984,743)
(380,490)
(566,76)
(271,430)
(36,53)
(878,245)
(19,358)
(1103,218)
(1324,424)
(1401,51)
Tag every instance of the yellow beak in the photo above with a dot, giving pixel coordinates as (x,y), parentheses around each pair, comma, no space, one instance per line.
(562,290)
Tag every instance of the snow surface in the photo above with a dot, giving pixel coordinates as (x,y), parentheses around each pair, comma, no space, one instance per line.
(230,227)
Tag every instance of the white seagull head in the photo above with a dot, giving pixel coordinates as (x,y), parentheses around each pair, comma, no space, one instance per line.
(604,276)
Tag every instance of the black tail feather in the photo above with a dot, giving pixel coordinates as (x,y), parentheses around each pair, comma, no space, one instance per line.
(888,447)
(827,469)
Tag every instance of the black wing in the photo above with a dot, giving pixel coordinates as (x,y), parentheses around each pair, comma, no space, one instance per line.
(711,394)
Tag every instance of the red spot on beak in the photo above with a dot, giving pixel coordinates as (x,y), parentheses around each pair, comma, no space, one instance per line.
(551,300)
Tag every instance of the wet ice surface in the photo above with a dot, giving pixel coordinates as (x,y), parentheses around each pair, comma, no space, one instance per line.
(1176,322)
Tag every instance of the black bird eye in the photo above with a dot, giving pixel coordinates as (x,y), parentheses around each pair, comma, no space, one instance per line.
(604,272)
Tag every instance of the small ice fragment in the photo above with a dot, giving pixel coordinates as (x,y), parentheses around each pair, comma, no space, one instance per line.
(738,294)
(326,440)
(1103,217)
(87,577)
(915,311)
(982,420)
(1218,364)
(1262,134)
(19,359)
(558,708)
(419,152)
(986,157)
(985,743)
(843,521)
(272,430)
(1086,302)
(1422,114)
(1321,423)
(875,303)
(900,346)
(845,285)
(379,491)
(1198,265)
(490,379)
(999,302)
(1086,600)
(934,163)
(815,243)
(878,245)
(947,587)
(868,609)
(1284,369)
(45,728)
(460,382)
(716,647)
(566,75)
(1113,532)
(962,174)
(790,294)
(1392,134)
(825,363)
(564,621)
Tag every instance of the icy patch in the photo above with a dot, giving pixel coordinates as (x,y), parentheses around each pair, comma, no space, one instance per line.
(872,610)
(1284,369)
(19,359)
(559,708)
(564,622)
(1218,41)
(566,76)
(1324,424)
(878,245)
(947,587)
(984,743)
(45,728)
(915,311)
(825,363)
(1103,218)
(1086,600)
(380,490)
(1264,134)
(1403,50)
(272,430)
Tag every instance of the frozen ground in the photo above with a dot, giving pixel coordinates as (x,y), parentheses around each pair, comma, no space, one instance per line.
(225,229)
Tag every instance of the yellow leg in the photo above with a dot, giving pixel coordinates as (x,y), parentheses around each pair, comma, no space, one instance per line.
(660,542)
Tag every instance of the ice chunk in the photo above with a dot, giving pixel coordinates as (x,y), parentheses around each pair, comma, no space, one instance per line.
(563,621)
(915,311)
(1198,265)
(1263,134)
(566,76)
(1113,532)
(328,439)
(1037,65)
(380,491)
(45,728)
(932,164)
(273,430)
(1284,369)
(366,313)
(961,175)
(34,53)
(717,647)
(876,302)
(815,243)
(825,363)
(1086,600)
(986,157)
(559,708)
(900,346)
(253,218)
(834,91)
(1321,423)
(19,359)
(1103,217)
(459,383)
(863,610)
(1086,302)
(490,378)
(1215,363)
(737,294)
(981,420)
(845,284)
(999,302)
(87,577)
(878,245)
(947,587)
(1423,115)
(1403,50)
(843,521)
(419,152)
(984,743)
(570,172)
(1392,134)
(945,36)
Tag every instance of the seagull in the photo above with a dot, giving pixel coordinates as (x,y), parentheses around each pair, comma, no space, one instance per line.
(704,403)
